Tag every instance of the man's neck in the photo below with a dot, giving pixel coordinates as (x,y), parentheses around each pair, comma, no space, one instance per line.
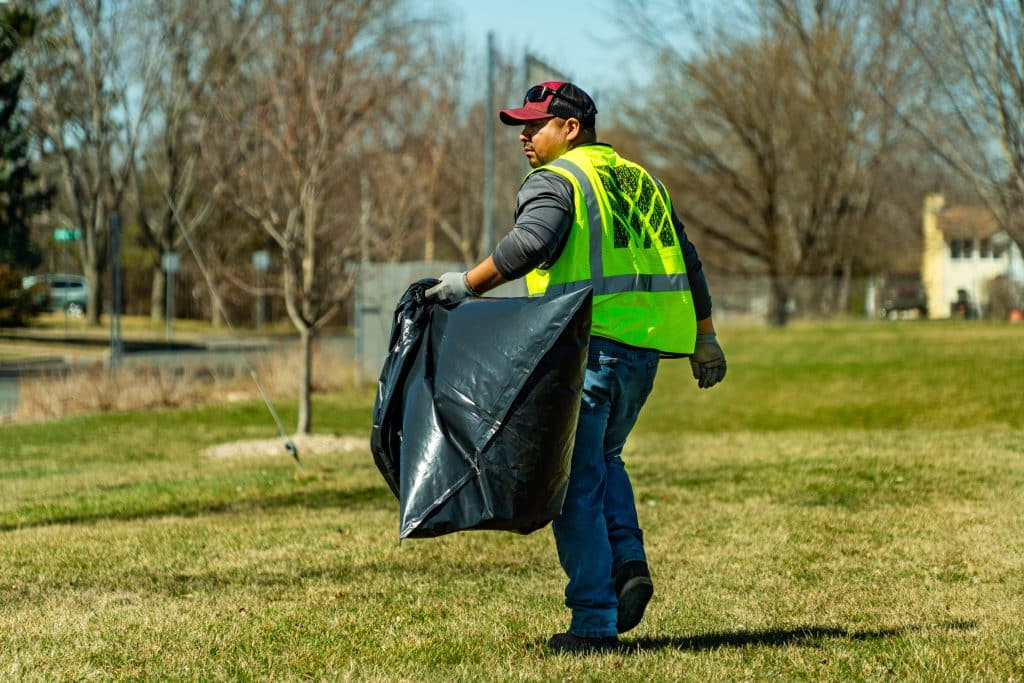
(588,143)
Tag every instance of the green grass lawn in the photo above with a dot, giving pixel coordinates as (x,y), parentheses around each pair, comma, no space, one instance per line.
(848,505)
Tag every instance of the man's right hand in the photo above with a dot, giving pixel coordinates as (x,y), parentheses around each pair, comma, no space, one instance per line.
(452,289)
(707,361)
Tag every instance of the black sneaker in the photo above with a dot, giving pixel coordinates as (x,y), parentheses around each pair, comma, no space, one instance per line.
(634,588)
(570,642)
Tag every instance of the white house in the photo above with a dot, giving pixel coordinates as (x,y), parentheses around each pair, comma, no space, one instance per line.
(964,250)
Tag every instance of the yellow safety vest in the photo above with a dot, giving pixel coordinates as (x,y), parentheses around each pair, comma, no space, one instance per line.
(623,245)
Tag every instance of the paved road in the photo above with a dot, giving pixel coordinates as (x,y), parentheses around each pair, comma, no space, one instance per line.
(219,353)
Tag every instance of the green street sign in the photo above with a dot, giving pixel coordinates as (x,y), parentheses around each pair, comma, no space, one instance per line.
(67,234)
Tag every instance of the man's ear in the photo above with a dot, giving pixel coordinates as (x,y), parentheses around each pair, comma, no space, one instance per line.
(572,128)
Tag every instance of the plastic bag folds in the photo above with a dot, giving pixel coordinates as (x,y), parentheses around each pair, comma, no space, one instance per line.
(476,410)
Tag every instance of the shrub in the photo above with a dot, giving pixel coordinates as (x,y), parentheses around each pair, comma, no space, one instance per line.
(17,305)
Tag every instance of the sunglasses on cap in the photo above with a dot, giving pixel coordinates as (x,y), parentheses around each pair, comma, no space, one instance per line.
(539,93)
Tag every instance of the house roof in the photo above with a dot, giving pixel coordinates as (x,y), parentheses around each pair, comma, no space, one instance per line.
(973,222)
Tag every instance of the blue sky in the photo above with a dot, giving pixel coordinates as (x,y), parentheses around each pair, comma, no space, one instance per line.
(575,36)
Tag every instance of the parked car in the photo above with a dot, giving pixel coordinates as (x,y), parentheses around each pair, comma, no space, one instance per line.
(60,291)
(903,293)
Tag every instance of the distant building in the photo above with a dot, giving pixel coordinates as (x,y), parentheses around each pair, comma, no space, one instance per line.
(964,251)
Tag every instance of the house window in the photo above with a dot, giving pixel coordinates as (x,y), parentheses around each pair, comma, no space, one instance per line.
(968,248)
(955,249)
(985,248)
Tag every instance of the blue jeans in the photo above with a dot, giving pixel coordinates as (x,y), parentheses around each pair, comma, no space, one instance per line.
(598,531)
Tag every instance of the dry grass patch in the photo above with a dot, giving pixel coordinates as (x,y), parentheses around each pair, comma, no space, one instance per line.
(97,388)
(306,443)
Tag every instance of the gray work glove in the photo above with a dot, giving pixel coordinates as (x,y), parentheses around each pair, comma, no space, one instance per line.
(452,289)
(707,361)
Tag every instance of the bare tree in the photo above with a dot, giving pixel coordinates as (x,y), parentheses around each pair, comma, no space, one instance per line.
(971,114)
(439,160)
(455,174)
(319,74)
(89,100)
(174,193)
(772,134)
(415,156)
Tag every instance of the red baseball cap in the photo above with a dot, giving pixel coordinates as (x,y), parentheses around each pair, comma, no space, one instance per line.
(549,99)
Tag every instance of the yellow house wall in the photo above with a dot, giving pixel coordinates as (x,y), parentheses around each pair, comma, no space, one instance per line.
(934,258)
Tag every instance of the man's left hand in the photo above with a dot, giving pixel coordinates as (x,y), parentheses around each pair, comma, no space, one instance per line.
(707,361)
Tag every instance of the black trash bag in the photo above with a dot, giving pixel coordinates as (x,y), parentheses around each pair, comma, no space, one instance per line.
(476,410)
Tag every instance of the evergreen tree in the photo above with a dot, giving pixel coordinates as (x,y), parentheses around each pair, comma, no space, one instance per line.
(20,196)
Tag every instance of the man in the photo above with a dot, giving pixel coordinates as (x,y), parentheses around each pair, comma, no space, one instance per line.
(586,217)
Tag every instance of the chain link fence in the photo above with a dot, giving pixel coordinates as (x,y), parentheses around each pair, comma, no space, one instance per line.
(736,299)
(379,287)
(751,299)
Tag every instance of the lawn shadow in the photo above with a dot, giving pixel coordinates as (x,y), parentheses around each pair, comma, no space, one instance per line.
(802,636)
(311,498)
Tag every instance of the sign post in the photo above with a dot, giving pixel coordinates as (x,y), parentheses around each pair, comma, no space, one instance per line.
(261,262)
(116,340)
(66,236)
(170,263)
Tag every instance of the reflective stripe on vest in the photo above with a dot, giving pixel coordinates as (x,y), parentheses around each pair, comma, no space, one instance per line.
(617,284)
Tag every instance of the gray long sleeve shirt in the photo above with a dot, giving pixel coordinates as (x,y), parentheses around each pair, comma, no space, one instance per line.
(544,216)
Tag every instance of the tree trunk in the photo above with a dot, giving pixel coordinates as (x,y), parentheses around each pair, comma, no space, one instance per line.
(94,307)
(842,302)
(305,424)
(216,314)
(92,251)
(157,295)
(778,301)
(216,304)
